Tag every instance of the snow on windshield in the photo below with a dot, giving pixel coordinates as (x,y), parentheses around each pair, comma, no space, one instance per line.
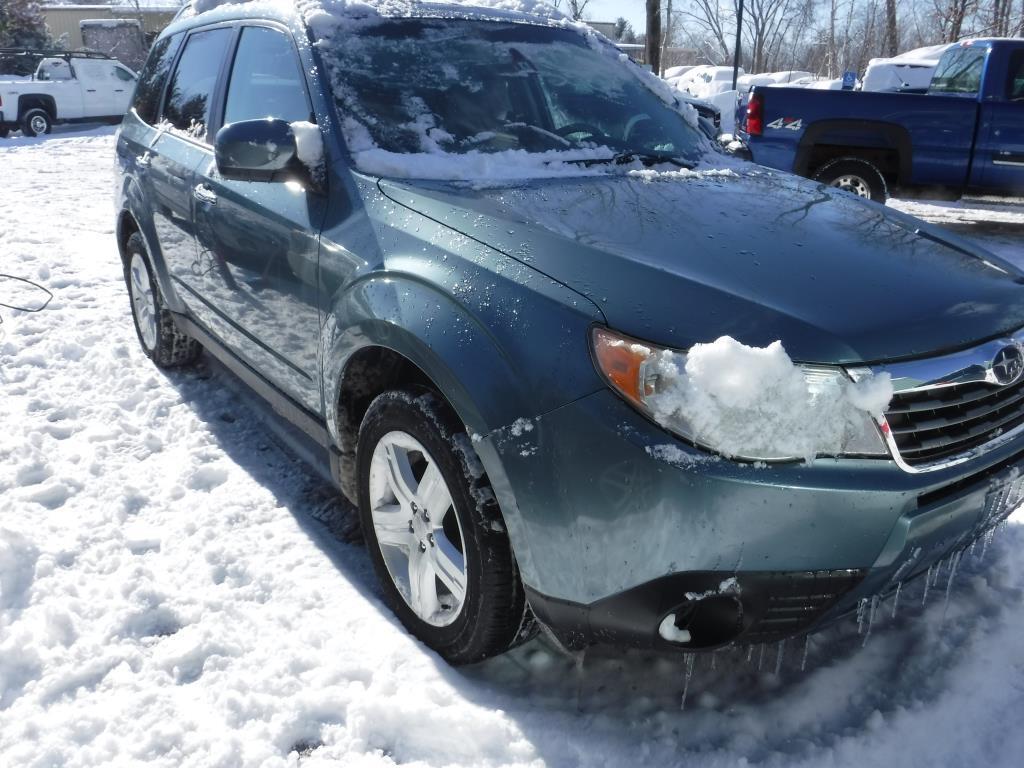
(450,96)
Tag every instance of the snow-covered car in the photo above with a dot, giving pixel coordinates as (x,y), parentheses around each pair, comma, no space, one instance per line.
(572,364)
(66,88)
(911,71)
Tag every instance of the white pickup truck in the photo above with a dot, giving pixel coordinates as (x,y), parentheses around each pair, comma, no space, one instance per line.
(66,87)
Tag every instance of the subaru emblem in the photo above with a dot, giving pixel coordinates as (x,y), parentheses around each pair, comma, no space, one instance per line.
(1008,365)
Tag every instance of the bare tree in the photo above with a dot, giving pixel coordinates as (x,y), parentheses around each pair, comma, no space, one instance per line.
(576,8)
(951,15)
(892,33)
(712,24)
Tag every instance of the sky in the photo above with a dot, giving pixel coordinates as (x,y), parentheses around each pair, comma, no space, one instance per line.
(609,10)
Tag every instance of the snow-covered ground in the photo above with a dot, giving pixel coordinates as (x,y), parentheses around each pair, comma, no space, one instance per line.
(169,596)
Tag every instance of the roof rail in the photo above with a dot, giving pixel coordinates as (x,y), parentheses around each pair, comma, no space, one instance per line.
(53,54)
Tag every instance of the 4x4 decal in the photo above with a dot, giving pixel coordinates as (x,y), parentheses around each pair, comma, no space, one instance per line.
(789,123)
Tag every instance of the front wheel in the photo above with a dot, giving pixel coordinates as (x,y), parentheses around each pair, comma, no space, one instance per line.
(433,529)
(854,175)
(35,122)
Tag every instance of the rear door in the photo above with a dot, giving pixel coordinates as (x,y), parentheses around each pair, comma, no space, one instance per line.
(258,241)
(1000,149)
(97,87)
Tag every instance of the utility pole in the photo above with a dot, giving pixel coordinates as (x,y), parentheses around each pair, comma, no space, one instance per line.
(736,56)
(653,42)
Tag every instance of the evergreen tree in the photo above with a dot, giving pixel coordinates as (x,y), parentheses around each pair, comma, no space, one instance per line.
(624,31)
(22,25)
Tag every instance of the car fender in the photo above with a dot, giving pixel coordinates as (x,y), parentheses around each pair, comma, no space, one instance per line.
(27,101)
(134,206)
(420,322)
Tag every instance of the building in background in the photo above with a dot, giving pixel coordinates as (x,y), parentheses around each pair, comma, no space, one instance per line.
(65,21)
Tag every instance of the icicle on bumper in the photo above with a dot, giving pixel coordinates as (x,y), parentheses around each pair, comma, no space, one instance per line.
(755,402)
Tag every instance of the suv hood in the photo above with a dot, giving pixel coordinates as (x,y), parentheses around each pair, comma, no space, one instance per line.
(685,257)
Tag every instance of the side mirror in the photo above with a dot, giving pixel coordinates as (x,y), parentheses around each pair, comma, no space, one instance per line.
(257,150)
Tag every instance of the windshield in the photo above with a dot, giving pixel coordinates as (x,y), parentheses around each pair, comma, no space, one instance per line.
(457,86)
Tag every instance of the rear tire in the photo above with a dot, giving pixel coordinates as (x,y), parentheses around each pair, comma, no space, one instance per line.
(446,567)
(159,337)
(854,175)
(36,121)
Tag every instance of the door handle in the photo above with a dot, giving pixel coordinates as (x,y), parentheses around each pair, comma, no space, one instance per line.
(90,90)
(204,194)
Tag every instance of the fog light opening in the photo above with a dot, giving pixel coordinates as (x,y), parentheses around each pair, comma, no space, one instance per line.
(705,623)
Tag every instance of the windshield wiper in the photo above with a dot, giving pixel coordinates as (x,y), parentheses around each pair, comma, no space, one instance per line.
(630,156)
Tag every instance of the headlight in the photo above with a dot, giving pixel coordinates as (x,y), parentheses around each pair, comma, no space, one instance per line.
(747,402)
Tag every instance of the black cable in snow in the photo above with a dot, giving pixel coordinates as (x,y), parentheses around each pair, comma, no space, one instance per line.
(40,308)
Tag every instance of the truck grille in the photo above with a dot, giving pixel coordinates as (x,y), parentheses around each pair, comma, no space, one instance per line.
(933,424)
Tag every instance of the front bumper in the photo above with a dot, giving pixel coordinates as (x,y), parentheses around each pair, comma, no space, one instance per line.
(614,521)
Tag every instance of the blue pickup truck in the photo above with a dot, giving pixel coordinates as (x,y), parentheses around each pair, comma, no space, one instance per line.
(965,135)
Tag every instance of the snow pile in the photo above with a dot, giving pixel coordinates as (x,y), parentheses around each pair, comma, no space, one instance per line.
(648,175)
(755,402)
(309,146)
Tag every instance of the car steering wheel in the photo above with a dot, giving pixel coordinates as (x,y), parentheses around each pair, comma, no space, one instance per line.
(581,128)
(632,123)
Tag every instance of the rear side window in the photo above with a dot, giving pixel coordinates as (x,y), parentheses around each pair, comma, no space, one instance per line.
(154,76)
(266,80)
(959,71)
(190,93)
(1015,82)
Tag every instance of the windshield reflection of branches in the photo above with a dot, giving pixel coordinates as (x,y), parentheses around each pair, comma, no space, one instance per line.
(462,86)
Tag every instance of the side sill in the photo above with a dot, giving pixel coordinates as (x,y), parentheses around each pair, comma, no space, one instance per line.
(301,418)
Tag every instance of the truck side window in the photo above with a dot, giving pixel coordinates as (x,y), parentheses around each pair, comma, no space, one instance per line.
(190,91)
(154,77)
(1015,81)
(959,71)
(266,80)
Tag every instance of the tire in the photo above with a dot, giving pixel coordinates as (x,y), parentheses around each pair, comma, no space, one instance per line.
(36,121)
(854,175)
(417,434)
(4,131)
(159,337)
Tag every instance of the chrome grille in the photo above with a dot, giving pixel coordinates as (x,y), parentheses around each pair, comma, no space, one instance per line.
(932,424)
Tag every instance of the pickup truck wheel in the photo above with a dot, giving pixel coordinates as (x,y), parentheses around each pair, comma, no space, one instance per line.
(854,175)
(160,338)
(4,131)
(434,531)
(35,122)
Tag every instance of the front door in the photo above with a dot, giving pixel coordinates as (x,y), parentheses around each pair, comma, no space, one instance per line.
(123,84)
(259,240)
(1002,149)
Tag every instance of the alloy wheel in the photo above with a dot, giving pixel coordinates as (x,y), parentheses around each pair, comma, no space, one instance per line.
(417,529)
(143,301)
